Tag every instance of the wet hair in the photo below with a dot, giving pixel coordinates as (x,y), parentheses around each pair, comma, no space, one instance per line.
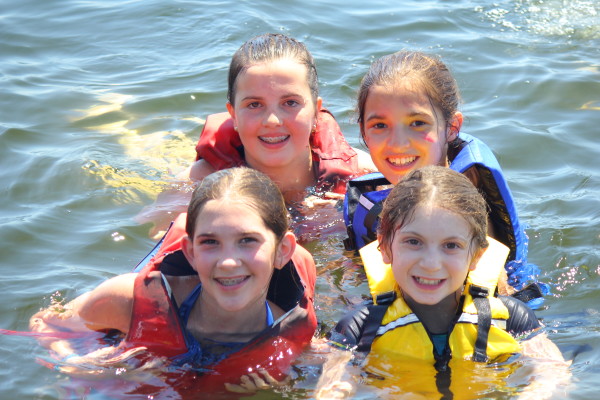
(270,47)
(439,187)
(246,185)
(424,70)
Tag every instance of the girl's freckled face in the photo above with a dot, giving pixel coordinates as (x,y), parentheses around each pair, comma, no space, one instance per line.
(430,255)
(402,130)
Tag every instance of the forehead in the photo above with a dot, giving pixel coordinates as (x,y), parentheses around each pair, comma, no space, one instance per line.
(405,93)
(229,211)
(436,221)
(283,70)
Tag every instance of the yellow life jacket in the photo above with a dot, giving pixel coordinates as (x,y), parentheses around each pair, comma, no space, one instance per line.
(478,336)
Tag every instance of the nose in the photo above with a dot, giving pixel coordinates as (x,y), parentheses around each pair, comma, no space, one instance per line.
(431,260)
(272,118)
(398,138)
(229,258)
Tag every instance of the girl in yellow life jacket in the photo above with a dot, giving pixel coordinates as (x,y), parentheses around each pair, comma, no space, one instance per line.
(440,309)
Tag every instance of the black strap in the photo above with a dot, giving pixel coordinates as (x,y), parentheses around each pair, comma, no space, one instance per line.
(528,293)
(484,321)
(373,321)
(371,220)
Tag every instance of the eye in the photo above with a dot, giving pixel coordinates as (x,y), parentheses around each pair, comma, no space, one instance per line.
(253,105)
(418,124)
(207,242)
(377,126)
(412,242)
(291,103)
(453,246)
(248,240)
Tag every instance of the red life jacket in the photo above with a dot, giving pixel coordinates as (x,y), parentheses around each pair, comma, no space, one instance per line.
(336,160)
(155,323)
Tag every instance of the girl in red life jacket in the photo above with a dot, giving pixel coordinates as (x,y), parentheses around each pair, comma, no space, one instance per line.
(227,300)
(276,123)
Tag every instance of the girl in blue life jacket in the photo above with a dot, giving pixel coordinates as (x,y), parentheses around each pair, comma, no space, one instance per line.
(226,302)
(434,307)
(408,116)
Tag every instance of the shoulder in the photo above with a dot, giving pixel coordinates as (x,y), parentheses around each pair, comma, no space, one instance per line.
(201,169)
(365,162)
(348,331)
(109,305)
(522,319)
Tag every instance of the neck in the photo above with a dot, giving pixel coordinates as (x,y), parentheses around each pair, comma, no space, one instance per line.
(293,178)
(437,318)
(209,321)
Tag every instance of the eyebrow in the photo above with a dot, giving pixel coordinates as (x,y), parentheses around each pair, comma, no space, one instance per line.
(412,115)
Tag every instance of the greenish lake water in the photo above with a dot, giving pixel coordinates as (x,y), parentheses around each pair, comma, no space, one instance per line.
(101,103)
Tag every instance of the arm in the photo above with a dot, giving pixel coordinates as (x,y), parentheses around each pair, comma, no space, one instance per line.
(335,381)
(107,307)
(550,370)
(551,373)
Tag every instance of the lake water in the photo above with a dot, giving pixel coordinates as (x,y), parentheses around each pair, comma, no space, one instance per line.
(101,103)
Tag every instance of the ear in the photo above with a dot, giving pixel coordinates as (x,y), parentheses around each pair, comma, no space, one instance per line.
(319,104)
(187,246)
(385,252)
(454,126)
(285,249)
(475,259)
(231,111)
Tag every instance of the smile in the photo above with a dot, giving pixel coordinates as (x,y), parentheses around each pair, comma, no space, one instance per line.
(428,282)
(401,161)
(274,139)
(232,281)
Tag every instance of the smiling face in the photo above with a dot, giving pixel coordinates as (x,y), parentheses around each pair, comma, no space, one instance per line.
(404,131)
(431,255)
(274,113)
(234,254)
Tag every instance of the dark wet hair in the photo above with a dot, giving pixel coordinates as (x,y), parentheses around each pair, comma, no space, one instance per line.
(441,187)
(269,47)
(425,70)
(246,185)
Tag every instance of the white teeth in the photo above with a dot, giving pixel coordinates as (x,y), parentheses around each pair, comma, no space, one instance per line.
(230,281)
(401,160)
(273,139)
(424,281)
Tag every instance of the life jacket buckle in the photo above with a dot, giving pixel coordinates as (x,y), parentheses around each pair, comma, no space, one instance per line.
(385,298)
(478,291)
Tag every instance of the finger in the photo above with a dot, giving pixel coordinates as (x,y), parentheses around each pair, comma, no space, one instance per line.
(259,382)
(235,388)
(247,383)
(125,355)
(272,381)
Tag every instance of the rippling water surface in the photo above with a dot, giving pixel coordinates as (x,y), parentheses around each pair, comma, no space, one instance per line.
(101,103)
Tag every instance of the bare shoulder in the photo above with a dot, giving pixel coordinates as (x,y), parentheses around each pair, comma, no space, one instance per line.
(200,169)
(109,305)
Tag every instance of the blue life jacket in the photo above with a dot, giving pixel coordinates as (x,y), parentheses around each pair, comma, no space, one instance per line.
(363,203)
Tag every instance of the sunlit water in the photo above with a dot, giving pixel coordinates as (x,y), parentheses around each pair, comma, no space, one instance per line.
(101,103)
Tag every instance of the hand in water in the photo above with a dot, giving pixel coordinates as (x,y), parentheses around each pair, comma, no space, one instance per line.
(254,382)
(106,361)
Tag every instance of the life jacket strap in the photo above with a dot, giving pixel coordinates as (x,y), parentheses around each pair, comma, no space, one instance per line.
(376,312)
(371,220)
(484,321)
